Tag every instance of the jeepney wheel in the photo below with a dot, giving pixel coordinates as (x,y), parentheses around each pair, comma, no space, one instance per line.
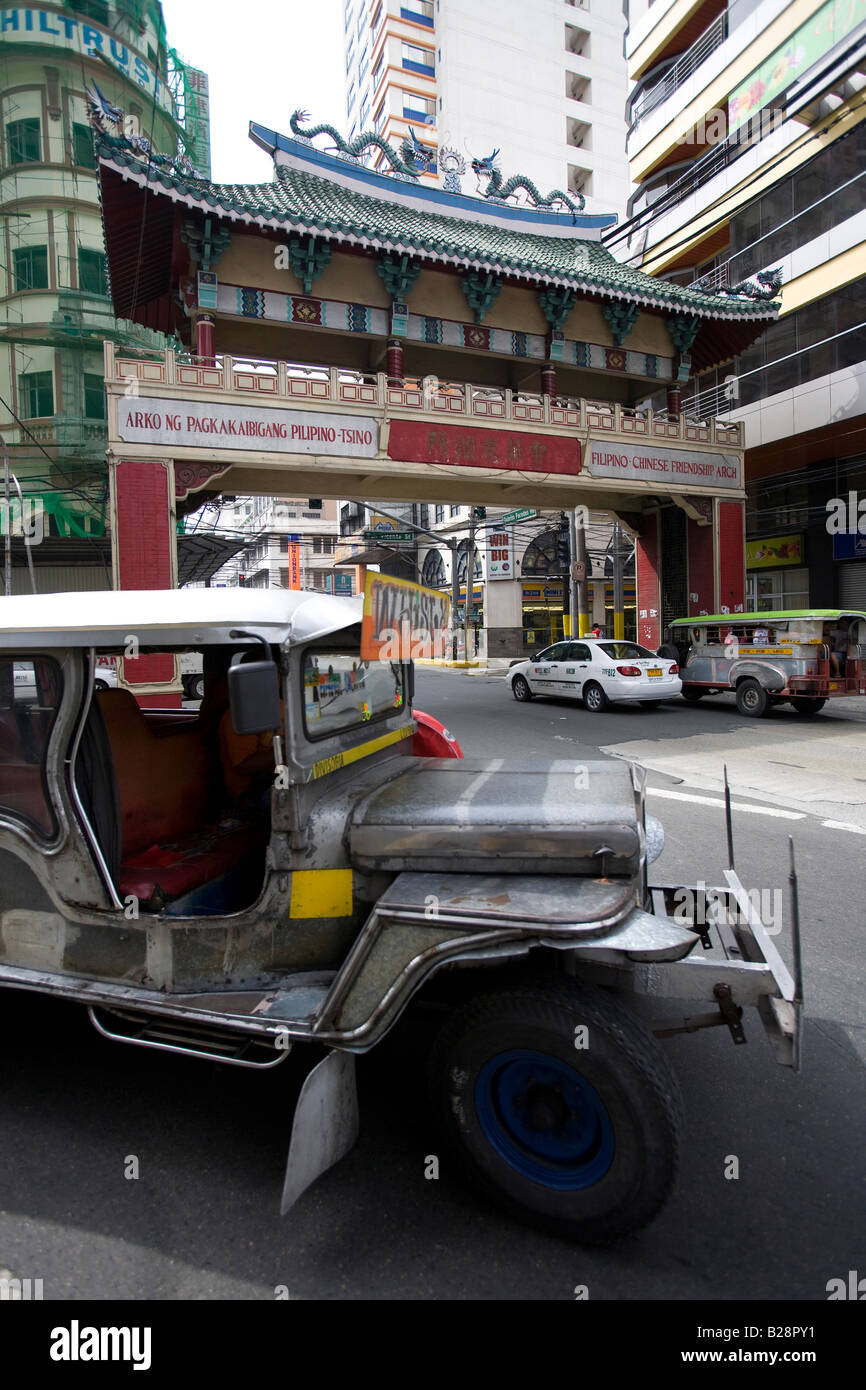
(196,688)
(805,706)
(520,688)
(594,698)
(689,693)
(752,698)
(558,1103)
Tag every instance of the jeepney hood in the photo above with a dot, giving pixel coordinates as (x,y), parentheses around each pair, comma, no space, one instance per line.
(525,817)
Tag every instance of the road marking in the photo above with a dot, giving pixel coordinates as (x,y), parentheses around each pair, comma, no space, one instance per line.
(844,825)
(735,805)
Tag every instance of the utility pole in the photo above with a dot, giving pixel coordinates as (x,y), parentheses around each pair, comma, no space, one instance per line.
(470,585)
(618,592)
(8,520)
(580,589)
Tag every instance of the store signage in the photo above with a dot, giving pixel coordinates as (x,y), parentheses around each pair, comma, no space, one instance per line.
(294,566)
(648,463)
(212,425)
(414,442)
(773,551)
(849,546)
(52,30)
(500,555)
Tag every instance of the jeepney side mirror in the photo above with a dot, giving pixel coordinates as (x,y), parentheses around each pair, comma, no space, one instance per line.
(254,695)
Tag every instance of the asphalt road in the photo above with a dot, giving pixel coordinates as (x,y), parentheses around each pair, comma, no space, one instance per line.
(200,1221)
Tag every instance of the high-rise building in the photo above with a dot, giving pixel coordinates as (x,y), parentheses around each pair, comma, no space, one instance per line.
(56,307)
(542,83)
(747,143)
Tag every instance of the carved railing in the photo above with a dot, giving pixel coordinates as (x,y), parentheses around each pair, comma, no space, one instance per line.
(300,384)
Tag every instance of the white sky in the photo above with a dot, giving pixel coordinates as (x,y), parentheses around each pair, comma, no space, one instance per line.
(264,59)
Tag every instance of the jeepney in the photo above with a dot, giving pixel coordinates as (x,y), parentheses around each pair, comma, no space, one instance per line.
(801,656)
(285,864)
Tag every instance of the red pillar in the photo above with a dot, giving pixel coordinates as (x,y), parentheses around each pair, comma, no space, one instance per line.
(647,582)
(675,397)
(731,556)
(394,362)
(702,597)
(204,338)
(144,549)
(548,379)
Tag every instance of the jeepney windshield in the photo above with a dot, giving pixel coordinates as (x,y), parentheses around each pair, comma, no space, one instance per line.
(343,692)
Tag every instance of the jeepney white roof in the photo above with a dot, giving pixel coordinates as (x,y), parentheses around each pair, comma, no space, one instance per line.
(173,616)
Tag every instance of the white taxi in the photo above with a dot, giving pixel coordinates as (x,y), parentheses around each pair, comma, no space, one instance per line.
(598,671)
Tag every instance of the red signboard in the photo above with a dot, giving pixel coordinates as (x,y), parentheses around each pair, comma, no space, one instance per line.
(413,442)
(294,555)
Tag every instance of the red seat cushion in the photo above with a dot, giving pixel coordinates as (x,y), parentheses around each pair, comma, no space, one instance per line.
(177,867)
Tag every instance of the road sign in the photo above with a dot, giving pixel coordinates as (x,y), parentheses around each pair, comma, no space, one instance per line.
(578,569)
(524,514)
(390,537)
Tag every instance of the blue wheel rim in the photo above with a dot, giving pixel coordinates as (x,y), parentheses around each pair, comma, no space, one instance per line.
(544,1119)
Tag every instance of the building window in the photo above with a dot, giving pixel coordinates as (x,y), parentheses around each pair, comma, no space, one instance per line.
(35,395)
(421,11)
(433,573)
(415,59)
(440,513)
(453,511)
(82,147)
(94,397)
(417,108)
(30,268)
(323,545)
(92,276)
(23,141)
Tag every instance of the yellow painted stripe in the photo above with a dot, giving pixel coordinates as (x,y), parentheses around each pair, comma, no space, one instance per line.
(824,279)
(321,893)
(352,755)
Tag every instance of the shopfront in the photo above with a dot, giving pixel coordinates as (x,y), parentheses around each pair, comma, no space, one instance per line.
(777,575)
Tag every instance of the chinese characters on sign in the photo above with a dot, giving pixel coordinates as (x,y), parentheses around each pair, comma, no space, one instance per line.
(414,442)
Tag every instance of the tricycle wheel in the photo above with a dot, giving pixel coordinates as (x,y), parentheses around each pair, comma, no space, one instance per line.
(806,706)
(557,1102)
(752,698)
(520,688)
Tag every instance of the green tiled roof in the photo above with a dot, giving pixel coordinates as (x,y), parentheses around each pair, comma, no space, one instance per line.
(303,201)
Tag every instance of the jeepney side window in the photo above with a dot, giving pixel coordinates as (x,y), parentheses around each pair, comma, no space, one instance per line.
(343,692)
(30,690)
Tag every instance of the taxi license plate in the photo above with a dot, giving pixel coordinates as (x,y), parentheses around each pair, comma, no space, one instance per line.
(654,671)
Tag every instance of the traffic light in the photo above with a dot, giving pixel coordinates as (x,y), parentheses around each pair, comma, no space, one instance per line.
(563,548)
(480,513)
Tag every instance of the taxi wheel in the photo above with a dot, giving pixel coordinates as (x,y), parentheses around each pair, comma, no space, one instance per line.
(803,706)
(100,684)
(650,704)
(558,1103)
(689,693)
(520,688)
(594,698)
(752,698)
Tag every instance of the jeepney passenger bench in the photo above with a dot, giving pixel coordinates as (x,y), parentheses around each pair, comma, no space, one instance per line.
(171,838)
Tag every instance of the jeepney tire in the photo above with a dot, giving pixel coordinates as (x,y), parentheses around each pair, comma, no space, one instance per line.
(594,698)
(617,1161)
(196,688)
(689,693)
(805,706)
(520,689)
(752,698)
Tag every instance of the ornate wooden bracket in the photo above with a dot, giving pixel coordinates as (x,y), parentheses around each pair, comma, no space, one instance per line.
(206,241)
(683,331)
(308,257)
(620,319)
(556,304)
(399,274)
(192,477)
(481,291)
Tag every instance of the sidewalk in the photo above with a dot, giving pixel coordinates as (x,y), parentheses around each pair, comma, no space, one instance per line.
(480,668)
